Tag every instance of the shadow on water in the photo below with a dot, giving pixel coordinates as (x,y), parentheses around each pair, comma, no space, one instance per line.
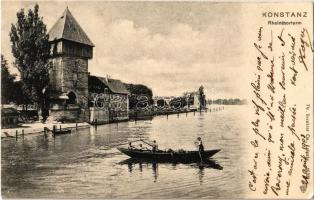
(201,166)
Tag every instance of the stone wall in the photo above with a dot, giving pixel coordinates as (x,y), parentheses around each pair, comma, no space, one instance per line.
(55,75)
(65,115)
(99,116)
(116,116)
(75,79)
(118,104)
(70,74)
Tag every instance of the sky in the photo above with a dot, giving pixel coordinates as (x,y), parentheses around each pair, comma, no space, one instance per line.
(171,47)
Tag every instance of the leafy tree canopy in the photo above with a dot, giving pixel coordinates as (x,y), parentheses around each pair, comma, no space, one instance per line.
(139,89)
(140,95)
(202,97)
(7,82)
(30,47)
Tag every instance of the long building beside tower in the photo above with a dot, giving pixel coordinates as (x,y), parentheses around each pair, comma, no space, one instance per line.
(70,50)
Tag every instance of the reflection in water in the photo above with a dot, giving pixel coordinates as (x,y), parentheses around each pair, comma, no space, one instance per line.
(155,170)
(130,167)
(201,174)
(84,163)
(201,166)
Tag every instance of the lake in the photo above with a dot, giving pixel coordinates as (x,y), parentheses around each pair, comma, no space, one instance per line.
(86,163)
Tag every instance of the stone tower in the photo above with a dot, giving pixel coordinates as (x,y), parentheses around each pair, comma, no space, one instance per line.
(70,50)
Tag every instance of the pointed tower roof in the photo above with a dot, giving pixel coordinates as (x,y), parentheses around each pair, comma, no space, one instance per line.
(67,28)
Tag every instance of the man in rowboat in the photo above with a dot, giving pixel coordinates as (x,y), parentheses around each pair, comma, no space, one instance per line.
(130,146)
(154,146)
(199,143)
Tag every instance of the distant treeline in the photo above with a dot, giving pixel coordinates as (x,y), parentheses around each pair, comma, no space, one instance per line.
(140,95)
(228,101)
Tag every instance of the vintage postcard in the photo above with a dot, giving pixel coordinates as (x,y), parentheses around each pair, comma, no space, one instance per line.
(156,100)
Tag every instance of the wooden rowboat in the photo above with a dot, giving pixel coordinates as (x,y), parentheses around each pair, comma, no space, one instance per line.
(170,156)
(61,132)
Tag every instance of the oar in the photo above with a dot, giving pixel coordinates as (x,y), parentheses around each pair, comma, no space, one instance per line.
(146,142)
(199,153)
(129,142)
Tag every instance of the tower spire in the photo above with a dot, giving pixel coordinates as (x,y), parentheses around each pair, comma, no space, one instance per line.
(67,28)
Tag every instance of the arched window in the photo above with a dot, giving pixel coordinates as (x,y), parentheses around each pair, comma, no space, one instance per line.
(72,98)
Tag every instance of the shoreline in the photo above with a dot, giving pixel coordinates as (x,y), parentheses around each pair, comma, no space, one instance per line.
(38,127)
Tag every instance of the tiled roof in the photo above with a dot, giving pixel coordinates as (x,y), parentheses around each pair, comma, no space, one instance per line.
(68,28)
(116,86)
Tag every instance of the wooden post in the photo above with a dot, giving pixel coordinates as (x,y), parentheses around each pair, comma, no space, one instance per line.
(16,134)
(60,127)
(76,126)
(23,134)
(95,123)
(54,128)
(186,114)
(45,132)
(178,115)
(167,115)
(194,112)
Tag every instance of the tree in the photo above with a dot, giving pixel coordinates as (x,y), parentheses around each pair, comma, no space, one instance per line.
(202,97)
(18,94)
(140,95)
(30,47)
(7,82)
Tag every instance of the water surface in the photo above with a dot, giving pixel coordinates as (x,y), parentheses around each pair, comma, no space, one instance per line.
(86,163)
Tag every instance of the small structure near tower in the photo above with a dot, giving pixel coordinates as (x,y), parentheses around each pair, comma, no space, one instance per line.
(70,50)
(109,101)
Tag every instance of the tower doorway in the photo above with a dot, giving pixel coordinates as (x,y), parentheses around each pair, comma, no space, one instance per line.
(72,98)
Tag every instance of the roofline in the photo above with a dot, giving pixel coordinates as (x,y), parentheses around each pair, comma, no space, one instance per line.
(65,13)
(99,77)
(59,39)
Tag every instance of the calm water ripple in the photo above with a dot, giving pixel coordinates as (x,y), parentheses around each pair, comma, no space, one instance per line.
(87,164)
